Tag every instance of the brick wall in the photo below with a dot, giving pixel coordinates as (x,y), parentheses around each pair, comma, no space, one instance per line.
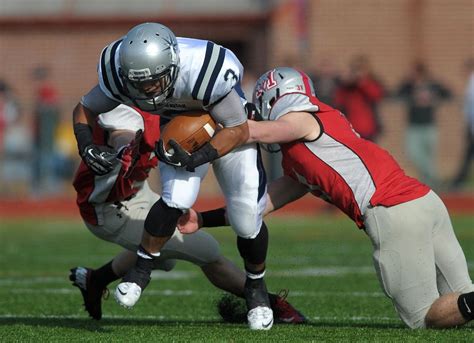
(392,33)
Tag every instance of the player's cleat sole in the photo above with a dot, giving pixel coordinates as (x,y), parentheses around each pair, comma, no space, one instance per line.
(127,294)
(260,318)
(92,294)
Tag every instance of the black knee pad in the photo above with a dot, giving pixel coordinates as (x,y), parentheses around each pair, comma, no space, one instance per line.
(254,250)
(161,220)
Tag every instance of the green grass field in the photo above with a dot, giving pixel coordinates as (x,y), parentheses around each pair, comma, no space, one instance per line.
(325,262)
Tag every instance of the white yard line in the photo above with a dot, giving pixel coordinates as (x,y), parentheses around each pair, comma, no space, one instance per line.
(188,292)
(180,275)
(177,275)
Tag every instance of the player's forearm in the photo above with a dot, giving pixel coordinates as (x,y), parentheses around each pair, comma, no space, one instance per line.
(282,191)
(279,131)
(83,115)
(226,139)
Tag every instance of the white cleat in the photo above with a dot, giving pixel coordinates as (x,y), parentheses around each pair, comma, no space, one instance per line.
(260,318)
(127,294)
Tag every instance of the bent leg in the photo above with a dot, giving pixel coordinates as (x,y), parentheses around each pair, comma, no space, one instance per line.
(452,272)
(225,275)
(242,179)
(404,258)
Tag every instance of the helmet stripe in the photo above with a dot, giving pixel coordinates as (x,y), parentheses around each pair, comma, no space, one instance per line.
(107,72)
(307,87)
(114,69)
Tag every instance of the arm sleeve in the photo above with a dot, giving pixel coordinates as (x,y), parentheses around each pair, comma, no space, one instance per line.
(122,117)
(97,101)
(229,111)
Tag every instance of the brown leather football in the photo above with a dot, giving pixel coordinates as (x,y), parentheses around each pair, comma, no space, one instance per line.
(190,129)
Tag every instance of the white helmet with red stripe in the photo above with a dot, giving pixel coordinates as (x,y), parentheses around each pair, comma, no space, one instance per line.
(277,83)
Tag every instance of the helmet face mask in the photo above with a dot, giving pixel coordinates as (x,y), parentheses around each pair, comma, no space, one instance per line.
(150,87)
(149,62)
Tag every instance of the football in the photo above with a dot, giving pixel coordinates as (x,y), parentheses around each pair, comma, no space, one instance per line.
(190,129)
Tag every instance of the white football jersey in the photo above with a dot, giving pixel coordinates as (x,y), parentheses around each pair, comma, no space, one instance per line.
(207,73)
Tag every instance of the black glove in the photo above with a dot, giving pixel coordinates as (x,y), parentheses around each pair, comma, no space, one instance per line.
(99,158)
(179,157)
(176,157)
(252,112)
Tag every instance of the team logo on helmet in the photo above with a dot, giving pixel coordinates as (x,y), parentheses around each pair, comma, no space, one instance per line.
(267,84)
(139,74)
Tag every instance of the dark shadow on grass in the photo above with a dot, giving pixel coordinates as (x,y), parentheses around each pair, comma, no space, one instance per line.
(356,325)
(104,325)
(361,325)
(97,325)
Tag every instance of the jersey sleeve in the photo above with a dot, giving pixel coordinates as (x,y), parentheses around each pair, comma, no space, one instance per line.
(229,111)
(97,102)
(292,103)
(219,74)
(121,118)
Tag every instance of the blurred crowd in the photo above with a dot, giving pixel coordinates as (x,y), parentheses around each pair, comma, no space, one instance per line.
(37,147)
(38,153)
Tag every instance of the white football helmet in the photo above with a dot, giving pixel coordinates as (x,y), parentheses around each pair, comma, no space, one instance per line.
(149,62)
(276,83)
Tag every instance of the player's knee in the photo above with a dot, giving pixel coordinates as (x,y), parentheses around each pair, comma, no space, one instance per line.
(415,320)
(244,219)
(161,220)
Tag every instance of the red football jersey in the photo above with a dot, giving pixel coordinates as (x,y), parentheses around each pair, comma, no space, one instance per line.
(93,190)
(346,170)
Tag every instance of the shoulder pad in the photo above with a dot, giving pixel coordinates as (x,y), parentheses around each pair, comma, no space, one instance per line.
(220,72)
(108,72)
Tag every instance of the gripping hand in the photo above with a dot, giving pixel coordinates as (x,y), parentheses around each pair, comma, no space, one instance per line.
(130,154)
(176,156)
(99,158)
(252,112)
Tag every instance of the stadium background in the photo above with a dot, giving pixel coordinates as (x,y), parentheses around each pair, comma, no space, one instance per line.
(67,36)
(317,253)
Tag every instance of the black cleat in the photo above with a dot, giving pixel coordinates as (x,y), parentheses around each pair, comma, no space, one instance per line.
(255,293)
(260,314)
(92,294)
(139,276)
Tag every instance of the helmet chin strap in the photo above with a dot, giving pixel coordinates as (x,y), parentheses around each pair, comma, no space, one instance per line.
(152,101)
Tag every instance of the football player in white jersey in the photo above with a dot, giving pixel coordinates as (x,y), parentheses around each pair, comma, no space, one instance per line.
(151,69)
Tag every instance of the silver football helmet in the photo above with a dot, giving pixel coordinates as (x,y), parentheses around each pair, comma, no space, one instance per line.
(149,62)
(276,83)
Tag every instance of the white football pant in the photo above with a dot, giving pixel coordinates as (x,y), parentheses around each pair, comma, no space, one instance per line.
(242,180)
